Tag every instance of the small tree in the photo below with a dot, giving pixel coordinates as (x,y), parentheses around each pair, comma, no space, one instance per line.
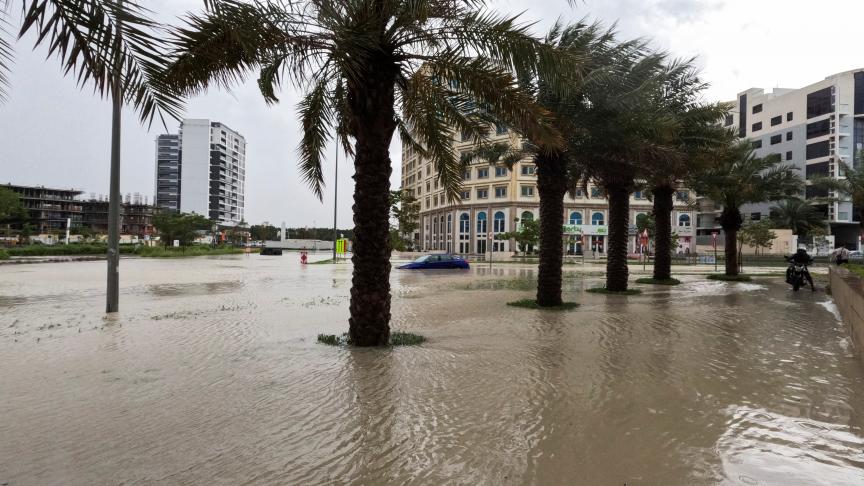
(180,227)
(263,232)
(11,209)
(757,235)
(405,209)
(526,236)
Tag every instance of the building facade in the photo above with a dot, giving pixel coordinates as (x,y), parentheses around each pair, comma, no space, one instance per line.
(50,208)
(812,128)
(494,199)
(136,216)
(202,170)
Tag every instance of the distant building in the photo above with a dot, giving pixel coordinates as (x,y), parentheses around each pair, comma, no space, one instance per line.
(202,170)
(812,128)
(50,208)
(136,216)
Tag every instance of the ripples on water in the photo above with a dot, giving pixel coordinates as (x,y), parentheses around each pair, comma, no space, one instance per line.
(211,375)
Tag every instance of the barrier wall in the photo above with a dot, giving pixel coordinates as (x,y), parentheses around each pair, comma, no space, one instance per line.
(847,289)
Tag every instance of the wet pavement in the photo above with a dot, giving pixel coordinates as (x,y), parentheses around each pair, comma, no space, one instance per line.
(211,375)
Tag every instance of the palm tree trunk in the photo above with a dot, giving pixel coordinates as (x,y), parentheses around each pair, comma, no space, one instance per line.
(372,106)
(730,221)
(551,186)
(616,256)
(663,232)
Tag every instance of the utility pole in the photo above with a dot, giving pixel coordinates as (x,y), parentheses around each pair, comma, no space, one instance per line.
(113,295)
(335,198)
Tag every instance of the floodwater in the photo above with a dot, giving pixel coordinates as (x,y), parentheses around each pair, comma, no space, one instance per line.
(211,375)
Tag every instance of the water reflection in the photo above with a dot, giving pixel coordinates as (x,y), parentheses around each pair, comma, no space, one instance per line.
(210,374)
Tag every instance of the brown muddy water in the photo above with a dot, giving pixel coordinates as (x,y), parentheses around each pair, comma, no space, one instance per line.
(211,375)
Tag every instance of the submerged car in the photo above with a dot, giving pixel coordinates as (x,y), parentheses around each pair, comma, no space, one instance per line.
(436,262)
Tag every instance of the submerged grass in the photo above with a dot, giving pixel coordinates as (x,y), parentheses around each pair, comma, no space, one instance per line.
(604,290)
(397,338)
(532,304)
(652,281)
(729,278)
(503,284)
(855,268)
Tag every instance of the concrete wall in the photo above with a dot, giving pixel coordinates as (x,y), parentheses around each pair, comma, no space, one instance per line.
(848,292)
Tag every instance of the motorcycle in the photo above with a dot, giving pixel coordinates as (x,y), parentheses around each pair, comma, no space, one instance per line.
(796,274)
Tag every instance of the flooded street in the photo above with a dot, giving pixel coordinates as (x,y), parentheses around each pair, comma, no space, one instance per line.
(211,374)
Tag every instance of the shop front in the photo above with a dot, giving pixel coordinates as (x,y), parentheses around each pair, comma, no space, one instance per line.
(581,238)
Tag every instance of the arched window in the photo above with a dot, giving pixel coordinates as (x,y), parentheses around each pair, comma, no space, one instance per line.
(527,216)
(434,225)
(498,226)
(464,223)
(449,223)
(684,220)
(575,217)
(481,222)
(597,219)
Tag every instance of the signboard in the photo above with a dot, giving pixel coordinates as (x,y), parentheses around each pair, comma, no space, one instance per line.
(342,246)
(586,229)
(714,239)
(707,259)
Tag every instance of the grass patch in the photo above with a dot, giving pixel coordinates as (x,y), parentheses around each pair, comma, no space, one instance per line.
(652,281)
(604,290)
(190,251)
(729,278)
(397,338)
(330,260)
(4,255)
(532,304)
(498,284)
(855,268)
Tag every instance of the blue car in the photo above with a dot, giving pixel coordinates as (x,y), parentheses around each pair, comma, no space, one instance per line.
(433,262)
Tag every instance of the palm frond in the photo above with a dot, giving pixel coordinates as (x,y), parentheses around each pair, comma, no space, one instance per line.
(316,116)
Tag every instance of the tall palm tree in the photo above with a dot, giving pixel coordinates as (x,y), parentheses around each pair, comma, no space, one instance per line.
(850,188)
(114,46)
(370,68)
(734,176)
(692,129)
(622,123)
(796,214)
(598,48)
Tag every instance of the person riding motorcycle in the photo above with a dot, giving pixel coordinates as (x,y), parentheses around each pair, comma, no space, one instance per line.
(801,258)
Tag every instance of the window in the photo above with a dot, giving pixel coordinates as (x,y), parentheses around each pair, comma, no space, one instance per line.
(466,176)
(527,191)
(529,169)
(757,108)
(500,129)
(684,220)
(465,195)
(757,144)
(500,171)
(483,173)
(789,155)
(449,223)
(639,195)
(818,129)
(527,216)
(843,215)
(789,116)
(775,139)
(730,119)
(578,193)
(428,200)
(820,102)
(682,196)
(788,136)
(596,192)
(498,222)
(817,170)
(818,149)
(776,120)
(755,216)
(464,224)
(756,127)
(481,222)
(428,186)
(576,217)
(597,219)
(482,193)
(501,191)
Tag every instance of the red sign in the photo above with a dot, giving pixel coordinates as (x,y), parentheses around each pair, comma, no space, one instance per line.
(714,238)
(644,238)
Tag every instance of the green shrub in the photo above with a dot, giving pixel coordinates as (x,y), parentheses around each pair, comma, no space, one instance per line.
(604,290)
(729,278)
(397,338)
(651,281)
(4,255)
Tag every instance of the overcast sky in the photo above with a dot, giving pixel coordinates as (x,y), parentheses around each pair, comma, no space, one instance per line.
(56,135)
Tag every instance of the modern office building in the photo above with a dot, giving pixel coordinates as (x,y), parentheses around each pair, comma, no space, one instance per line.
(202,170)
(50,208)
(495,199)
(813,128)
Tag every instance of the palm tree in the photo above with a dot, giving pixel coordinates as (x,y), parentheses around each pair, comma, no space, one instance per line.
(370,68)
(796,214)
(734,176)
(850,188)
(111,45)
(693,129)
(622,126)
(598,48)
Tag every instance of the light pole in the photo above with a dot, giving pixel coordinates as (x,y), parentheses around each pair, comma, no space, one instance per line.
(113,294)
